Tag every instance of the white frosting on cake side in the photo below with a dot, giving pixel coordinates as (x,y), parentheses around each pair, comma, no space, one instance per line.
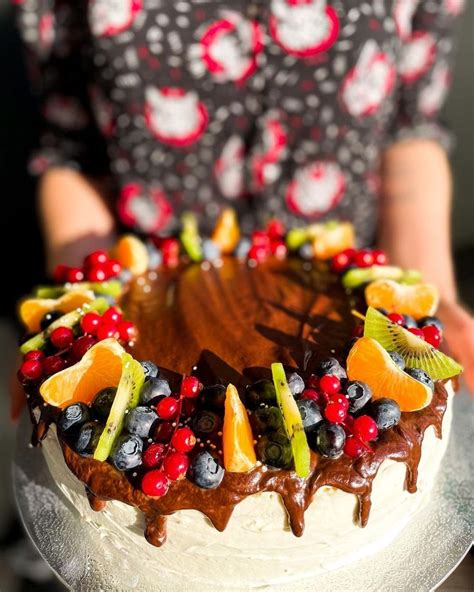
(258,549)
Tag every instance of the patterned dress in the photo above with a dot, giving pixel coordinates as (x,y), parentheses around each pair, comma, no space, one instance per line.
(275,107)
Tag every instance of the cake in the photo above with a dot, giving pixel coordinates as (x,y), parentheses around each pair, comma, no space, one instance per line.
(283,411)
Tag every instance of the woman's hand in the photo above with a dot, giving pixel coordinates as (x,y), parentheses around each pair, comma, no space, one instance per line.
(459,335)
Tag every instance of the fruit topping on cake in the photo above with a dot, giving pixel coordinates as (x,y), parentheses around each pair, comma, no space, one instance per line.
(238,447)
(418,301)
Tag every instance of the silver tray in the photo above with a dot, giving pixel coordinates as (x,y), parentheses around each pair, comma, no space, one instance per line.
(421,558)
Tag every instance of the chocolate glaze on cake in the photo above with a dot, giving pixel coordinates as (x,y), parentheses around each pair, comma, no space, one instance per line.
(231,323)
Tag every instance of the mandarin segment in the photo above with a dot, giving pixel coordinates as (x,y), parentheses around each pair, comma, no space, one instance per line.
(132,254)
(227,232)
(419,300)
(332,238)
(237,438)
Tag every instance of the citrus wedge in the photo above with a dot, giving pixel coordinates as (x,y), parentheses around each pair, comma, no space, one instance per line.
(419,300)
(100,367)
(109,288)
(237,438)
(331,238)
(131,253)
(227,232)
(369,362)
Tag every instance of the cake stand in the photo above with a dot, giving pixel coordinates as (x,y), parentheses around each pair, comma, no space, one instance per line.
(423,556)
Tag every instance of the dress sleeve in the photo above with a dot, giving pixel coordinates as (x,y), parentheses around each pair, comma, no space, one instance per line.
(55,35)
(424,69)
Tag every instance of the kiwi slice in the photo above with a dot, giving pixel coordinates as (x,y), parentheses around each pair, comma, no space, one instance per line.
(292,420)
(111,288)
(99,305)
(358,276)
(127,397)
(190,238)
(416,352)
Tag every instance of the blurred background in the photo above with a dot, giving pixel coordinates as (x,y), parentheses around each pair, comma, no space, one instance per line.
(20,245)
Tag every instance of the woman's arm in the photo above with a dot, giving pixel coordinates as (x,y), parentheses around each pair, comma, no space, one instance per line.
(75,217)
(415,231)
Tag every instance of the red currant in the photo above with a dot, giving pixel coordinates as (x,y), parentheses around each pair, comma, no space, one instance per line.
(364,258)
(127,331)
(278,248)
(31,369)
(53,365)
(82,345)
(96,274)
(107,331)
(35,354)
(313,382)
(335,412)
(275,229)
(167,408)
(112,315)
(358,331)
(418,332)
(330,384)
(340,400)
(112,268)
(90,322)
(74,275)
(353,447)
(183,440)
(188,407)
(170,250)
(261,239)
(380,257)
(396,318)
(97,258)
(163,432)
(155,483)
(257,253)
(340,262)
(190,387)
(432,335)
(153,455)
(62,337)
(60,273)
(175,465)
(365,428)
(311,394)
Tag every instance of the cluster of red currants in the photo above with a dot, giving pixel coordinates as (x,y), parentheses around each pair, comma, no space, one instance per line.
(357,258)
(270,241)
(97,267)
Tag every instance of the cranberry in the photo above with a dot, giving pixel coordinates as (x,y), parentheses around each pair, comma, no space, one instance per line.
(380,257)
(35,354)
(278,248)
(353,447)
(107,331)
(340,400)
(330,384)
(96,274)
(82,345)
(183,440)
(365,428)
(190,387)
(53,365)
(335,412)
(432,335)
(175,465)
(74,275)
(90,322)
(396,318)
(311,394)
(112,315)
(418,332)
(155,483)
(340,262)
(112,268)
(275,229)
(167,408)
(96,259)
(261,239)
(163,432)
(153,455)
(60,274)
(257,253)
(364,258)
(127,331)
(31,369)
(170,250)
(62,337)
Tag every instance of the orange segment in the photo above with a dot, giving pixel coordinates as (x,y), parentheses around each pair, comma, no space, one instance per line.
(419,300)
(370,363)
(32,310)
(331,238)
(227,232)
(237,438)
(100,367)
(131,253)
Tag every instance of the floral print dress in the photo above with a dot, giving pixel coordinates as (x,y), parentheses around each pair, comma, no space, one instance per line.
(274,107)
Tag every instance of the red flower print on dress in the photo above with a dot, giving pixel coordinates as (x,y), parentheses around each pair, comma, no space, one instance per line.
(303,28)
(454,7)
(431,97)
(264,164)
(103,111)
(371,80)
(228,48)
(175,116)
(111,17)
(65,112)
(403,12)
(315,189)
(229,168)
(144,209)
(418,54)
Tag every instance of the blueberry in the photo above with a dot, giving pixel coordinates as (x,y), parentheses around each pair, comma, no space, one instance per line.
(127,452)
(243,248)
(213,397)
(103,402)
(330,439)
(306,251)
(125,276)
(310,414)
(259,393)
(331,366)
(49,317)
(153,389)
(206,423)
(421,376)
(431,321)
(72,417)
(266,419)
(385,412)
(150,369)
(210,250)
(359,394)
(296,384)
(87,438)
(155,258)
(274,449)
(398,359)
(205,471)
(409,322)
(140,420)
